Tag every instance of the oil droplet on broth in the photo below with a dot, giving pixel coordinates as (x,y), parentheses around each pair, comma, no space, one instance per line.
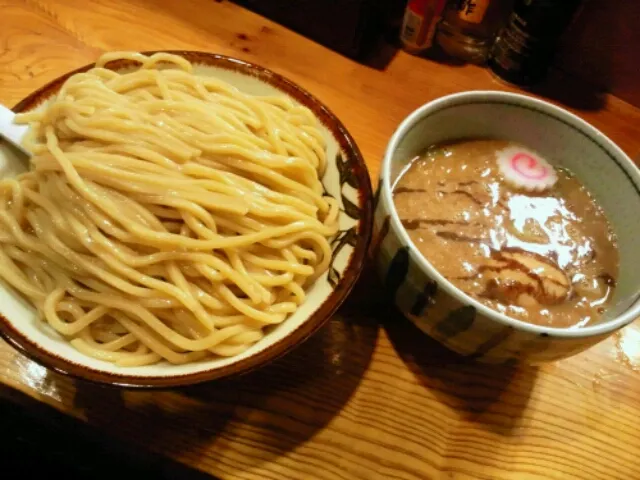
(545,257)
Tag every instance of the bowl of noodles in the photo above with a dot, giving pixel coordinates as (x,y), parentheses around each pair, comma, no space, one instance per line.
(183,216)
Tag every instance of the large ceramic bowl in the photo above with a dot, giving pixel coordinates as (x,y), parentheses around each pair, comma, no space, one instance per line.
(446,313)
(346,179)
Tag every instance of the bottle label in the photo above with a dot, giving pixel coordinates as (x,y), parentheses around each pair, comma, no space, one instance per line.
(412,31)
(525,48)
(420,20)
(472,11)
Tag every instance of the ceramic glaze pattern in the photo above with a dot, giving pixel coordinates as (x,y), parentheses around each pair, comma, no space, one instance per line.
(451,322)
(436,306)
(346,179)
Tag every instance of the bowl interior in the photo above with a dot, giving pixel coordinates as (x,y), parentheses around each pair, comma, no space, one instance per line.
(558,136)
(346,179)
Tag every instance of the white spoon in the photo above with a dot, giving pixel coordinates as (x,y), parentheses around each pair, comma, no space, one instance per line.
(10,131)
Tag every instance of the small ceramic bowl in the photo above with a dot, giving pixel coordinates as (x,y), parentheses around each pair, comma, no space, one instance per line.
(447,314)
(346,179)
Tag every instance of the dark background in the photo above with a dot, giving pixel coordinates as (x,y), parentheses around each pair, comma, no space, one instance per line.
(601,47)
(36,441)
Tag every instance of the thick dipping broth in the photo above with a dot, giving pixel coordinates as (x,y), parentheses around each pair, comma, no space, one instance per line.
(547,257)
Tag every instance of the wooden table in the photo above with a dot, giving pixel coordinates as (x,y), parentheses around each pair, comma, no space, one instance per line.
(368,396)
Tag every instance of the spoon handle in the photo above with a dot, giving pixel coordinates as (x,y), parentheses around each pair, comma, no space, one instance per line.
(9,130)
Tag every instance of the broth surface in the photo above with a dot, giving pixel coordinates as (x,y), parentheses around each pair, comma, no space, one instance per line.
(547,258)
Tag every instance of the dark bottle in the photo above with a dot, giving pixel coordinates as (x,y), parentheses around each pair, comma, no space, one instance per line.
(526,46)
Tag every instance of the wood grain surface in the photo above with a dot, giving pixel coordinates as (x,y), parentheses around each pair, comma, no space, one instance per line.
(368,396)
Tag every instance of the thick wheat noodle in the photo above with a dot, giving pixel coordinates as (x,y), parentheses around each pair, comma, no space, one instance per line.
(166,215)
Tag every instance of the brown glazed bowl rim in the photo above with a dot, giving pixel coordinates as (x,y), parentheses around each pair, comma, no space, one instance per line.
(319,316)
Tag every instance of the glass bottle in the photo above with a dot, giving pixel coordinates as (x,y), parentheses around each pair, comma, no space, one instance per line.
(526,46)
(469,27)
(419,24)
